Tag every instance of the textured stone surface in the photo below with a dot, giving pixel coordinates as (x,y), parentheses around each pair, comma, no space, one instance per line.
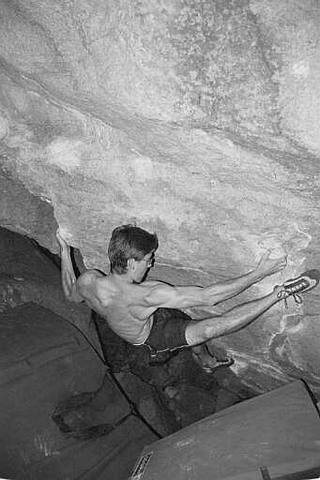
(197,119)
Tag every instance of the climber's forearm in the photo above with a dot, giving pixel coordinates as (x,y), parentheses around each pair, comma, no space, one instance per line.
(222,291)
(68,278)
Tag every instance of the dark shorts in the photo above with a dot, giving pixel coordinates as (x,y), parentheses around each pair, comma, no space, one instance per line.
(168,331)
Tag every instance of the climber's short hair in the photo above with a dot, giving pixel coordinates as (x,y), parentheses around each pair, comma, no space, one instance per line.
(129,241)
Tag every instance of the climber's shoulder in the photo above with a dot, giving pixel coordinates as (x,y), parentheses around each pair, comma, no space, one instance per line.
(90,276)
(90,279)
(95,287)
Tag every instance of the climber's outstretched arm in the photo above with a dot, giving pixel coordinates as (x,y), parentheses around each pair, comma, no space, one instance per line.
(159,294)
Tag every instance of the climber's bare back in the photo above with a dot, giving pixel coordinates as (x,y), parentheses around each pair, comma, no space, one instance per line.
(119,303)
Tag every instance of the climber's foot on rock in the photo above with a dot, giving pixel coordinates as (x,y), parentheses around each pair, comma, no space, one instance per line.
(226,362)
(207,361)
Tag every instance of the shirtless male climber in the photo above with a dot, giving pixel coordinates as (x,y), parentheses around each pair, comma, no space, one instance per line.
(133,307)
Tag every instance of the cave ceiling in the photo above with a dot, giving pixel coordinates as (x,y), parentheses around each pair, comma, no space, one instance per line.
(196,119)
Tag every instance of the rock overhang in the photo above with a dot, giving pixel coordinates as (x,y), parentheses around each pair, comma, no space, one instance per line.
(194,119)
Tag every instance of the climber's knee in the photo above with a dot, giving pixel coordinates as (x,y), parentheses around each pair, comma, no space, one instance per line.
(197,333)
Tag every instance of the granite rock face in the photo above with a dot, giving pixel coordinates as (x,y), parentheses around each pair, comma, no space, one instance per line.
(198,119)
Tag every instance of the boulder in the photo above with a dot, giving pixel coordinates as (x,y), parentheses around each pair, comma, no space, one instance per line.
(197,119)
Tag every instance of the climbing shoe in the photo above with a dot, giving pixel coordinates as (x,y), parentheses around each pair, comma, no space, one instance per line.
(208,361)
(301,284)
